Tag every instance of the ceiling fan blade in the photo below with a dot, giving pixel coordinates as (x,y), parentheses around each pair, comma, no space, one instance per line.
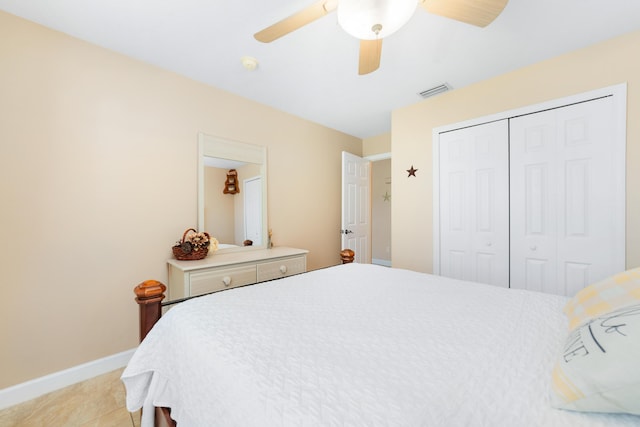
(370,52)
(475,12)
(317,10)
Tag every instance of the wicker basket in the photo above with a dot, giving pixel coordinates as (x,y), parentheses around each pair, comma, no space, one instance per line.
(184,251)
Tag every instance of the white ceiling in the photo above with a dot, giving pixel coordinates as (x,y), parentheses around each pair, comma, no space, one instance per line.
(312,72)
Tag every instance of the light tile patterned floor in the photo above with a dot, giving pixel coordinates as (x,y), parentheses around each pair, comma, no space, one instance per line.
(98,402)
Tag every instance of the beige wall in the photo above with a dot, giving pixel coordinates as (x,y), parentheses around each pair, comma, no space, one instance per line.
(98,180)
(605,64)
(219,208)
(380,144)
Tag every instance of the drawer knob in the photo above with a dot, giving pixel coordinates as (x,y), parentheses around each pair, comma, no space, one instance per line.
(283,269)
(226,280)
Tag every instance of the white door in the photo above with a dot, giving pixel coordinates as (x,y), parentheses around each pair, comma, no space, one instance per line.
(474,203)
(356,206)
(564,200)
(253,210)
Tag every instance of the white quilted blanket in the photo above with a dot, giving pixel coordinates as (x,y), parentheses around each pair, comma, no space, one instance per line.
(357,345)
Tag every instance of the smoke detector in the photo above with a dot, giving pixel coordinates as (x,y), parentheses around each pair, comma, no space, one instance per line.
(249,63)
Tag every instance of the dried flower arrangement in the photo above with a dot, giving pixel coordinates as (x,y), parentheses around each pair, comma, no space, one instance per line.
(194,245)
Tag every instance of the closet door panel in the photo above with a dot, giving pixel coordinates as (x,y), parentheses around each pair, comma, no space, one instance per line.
(474,193)
(533,168)
(562,201)
(585,223)
(455,157)
(536,273)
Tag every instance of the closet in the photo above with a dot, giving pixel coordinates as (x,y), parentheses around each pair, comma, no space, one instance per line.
(533,200)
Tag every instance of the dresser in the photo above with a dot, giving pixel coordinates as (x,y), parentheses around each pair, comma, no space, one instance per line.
(232,269)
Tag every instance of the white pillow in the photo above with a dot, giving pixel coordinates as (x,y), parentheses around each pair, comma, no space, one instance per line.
(599,368)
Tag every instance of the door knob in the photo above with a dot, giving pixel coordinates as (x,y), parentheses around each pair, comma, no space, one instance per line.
(346,231)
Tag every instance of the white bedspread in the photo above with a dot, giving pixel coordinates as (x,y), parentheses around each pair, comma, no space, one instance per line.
(358,345)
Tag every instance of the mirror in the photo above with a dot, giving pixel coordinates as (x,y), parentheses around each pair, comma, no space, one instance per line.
(232,218)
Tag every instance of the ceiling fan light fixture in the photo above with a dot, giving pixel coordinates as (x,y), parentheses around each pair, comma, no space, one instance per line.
(361,18)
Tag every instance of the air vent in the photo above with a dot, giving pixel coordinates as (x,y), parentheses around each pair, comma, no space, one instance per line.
(436,90)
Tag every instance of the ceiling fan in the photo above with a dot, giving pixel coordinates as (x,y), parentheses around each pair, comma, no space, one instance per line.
(372,20)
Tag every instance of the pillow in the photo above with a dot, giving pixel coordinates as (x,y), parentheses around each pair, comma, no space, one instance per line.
(599,368)
(602,297)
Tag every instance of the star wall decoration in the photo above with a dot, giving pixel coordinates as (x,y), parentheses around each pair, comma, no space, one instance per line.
(386,196)
(412,171)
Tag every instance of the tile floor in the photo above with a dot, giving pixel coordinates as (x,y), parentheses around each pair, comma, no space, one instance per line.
(97,402)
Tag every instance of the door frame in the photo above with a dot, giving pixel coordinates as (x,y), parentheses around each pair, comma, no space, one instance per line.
(619,94)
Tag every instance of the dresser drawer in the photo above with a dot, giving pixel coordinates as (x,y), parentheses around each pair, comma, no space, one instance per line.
(203,282)
(281,268)
(231,269)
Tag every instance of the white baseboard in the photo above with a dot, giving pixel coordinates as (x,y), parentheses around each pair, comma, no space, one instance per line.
(37,387)
(384,262)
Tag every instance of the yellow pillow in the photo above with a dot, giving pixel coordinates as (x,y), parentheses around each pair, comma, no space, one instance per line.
(621,290)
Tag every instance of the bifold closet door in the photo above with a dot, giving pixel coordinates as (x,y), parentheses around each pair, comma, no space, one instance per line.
(474,203)
(563,200)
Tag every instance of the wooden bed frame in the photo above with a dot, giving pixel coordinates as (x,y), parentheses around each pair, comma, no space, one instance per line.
(149,296)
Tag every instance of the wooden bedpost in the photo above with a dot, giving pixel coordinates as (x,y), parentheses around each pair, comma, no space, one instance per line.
(347,256)
(149,295)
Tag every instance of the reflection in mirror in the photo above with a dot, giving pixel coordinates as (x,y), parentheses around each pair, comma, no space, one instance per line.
(238,221)
(233,218)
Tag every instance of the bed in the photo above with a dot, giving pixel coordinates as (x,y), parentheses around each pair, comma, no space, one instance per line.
(359,345)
